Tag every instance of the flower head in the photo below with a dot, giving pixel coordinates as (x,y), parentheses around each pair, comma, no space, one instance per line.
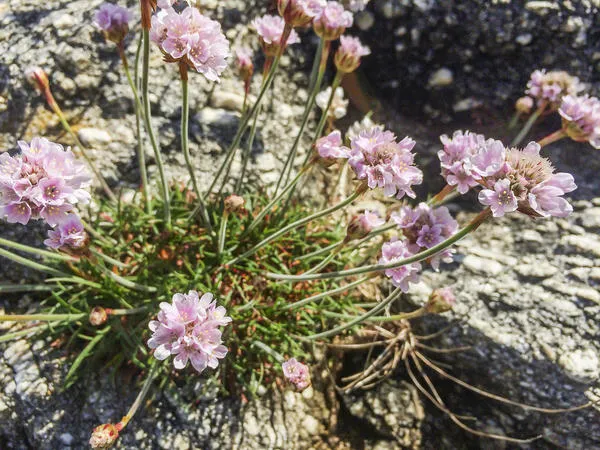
(524,105)
(68,234)
(339,104)
(440,300)
(299,13)
(114,21)
(104,436)
(98,316)
(296,373)
(332,21)
(243,62)
(456,159)
(44,181)
(193,39)
(424,227)
(394,251)
(377,157)
(330,147)
(349,53)
(188,328)
(234,204)
(362,225)
(581,118)
(270,31)
(551,87)
(366,123)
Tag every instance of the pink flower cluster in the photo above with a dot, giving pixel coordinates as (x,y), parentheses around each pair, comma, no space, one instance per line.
(424,227)
(581,118)
(69,233)
(349,54)
(191,38)
(377,157)
(296,373)
(44,181)
(270,30)
(299,13)
(331,146)
(551,87)
(113,20)
(188,328)
(332,21)
(456,159)
(396,250)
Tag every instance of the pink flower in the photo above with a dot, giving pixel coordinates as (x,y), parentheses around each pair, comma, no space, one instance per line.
(113,20)
(69,233)
(581,118)
(191,38)
(243,61)
(332,21)
(331,146)
(394,251)
(296,373)
(270,30)
(299,13)
(501,199)
(456,159)
(357,5)
(349,53)
(362,225)
(551,87)
(44,181)
(424,227)
(385,163)
(188,328)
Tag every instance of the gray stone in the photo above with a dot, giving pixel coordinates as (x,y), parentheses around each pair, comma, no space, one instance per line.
(581,365)
(482,265)
(93,137)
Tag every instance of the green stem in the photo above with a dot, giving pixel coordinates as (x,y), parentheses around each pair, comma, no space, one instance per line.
(42,317)
(316,63)
(294,225)
(527,127)
(150,130)
(289,163)
(472,226)
(108,259)
(551,138)
(127,283)
(360,319)
(402,316)
(319,251)
(329,293)
(137,106)
(17,334)
(31,264)
(12,288)
(325,261)
(246,158)
(185,146)
(37,251)
(140,397)
(222,233)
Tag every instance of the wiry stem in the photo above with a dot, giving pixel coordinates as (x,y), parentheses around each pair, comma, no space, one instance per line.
(551,138)
(246,157)
(41,317)
(222,233)
(140,398)
(532,119)
(37,251)
(322,295)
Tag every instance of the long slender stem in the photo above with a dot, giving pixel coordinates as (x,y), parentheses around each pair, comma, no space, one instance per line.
(322,295)
(551,138)
(289,163)
(360,319)
(319,251)
(41,317)
(12,288)
(150,130)
(472,226)
(185,146)
(137,107)
(140,397)
(294,225)
(316,63)
(127,283)
(17,334)
(247,153)
(326,260)
(402,316)
(32,264)
(37,251)
(108,259)
(532,119)
(222,233)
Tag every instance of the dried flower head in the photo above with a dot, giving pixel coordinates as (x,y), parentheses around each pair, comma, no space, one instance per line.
(524,105)
(581,118)
(332,21)
(440,300)
(424,227)
(234,204)
(98,316)
(348,55)
(113,20)
(44,181)
(339,105)
(188,328)
(296,373)
(394,251)
(361,225)
(551,87)
(270,32)
(68,234)
(377,157)
(38,78)
(104,436)
(299,13)
(193,39)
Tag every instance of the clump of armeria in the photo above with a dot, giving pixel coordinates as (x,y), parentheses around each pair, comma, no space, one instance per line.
(233,285)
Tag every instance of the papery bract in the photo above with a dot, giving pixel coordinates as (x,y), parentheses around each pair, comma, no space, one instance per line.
(349,54)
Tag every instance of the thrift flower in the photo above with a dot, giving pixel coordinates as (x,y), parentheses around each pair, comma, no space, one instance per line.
(270,31)
(440,300)
(193,39)
(299,13)
(424,227)
(362,225)
(365,124)
(113,20)
(330,147)
(394,251)
(581,118)
(456,159)
(349,53)
(188,328)
(551,87)
(243,62)
(234,204)
(332,21)
(501,199)
(377,157)
(69,233)
(339,105)
(296,373)
(44,181)
(104,436)
(524,105)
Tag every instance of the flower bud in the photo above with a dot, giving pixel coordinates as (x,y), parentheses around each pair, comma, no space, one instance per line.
(104,436)
(98,316)
(243,61)
(524,105)
(349,53)
(113,20)
(440,300)
(234,204)
(332,22)
(299,13)
(38,78)
(362,225)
